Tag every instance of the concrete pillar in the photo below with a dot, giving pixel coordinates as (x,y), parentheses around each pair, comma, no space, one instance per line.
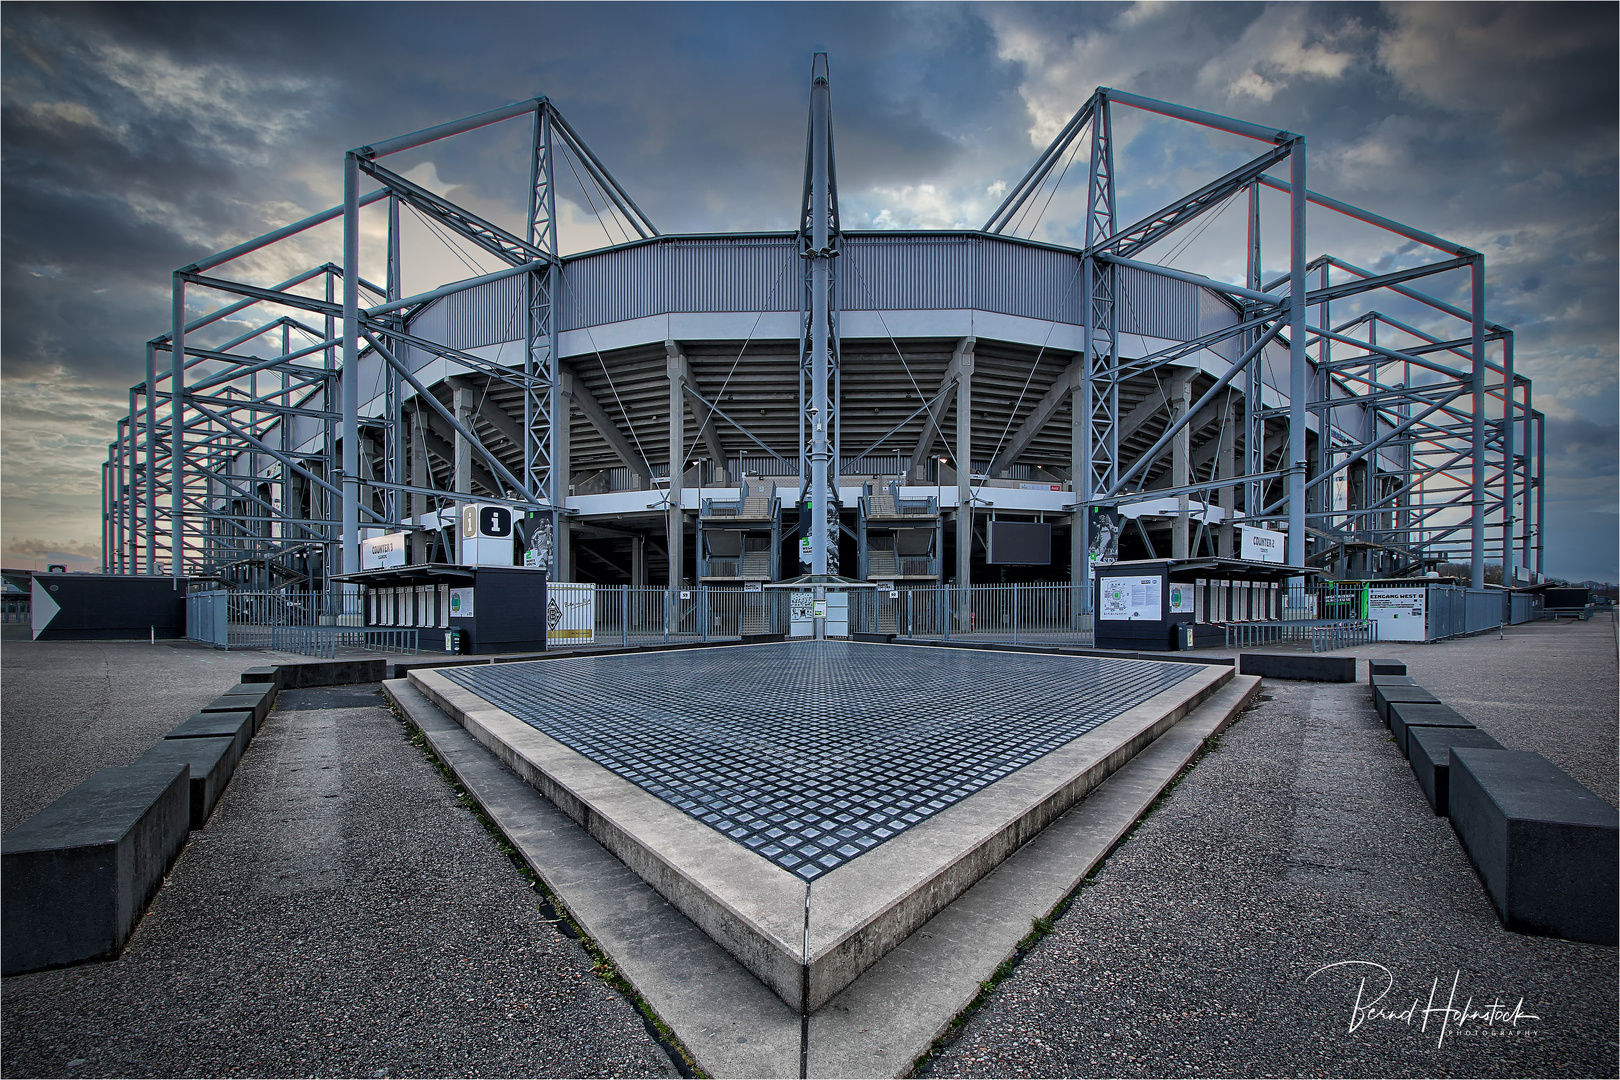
(461,406)
(1226,467)
(638,562)
(675,523)
(1180,461)
(964,466)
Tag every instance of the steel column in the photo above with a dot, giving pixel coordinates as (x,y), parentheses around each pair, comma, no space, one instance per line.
(1298,370)
(1477,530)
(350,375)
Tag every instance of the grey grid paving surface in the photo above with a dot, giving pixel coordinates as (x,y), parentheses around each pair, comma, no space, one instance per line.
(812,753)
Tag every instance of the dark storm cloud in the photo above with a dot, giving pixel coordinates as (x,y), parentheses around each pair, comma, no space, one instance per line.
(136,137)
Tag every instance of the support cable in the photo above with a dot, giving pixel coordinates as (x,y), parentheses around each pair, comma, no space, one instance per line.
(1033,367)
(1074,149)
(720,396)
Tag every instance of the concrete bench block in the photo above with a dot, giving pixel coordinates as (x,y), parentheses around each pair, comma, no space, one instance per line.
(1383,695)
(258,705)
(260,674)
(254,691)
(1385,667)
(1304,666)
(1391,680)
(1429,752)
(331,673)
(237,724)
(1545,847)
(880,639)
(1404,715)
(211,761)
(78,874)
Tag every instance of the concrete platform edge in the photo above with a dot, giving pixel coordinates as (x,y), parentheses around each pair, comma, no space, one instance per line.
(734,1025)
(889,1018)
(730,1022)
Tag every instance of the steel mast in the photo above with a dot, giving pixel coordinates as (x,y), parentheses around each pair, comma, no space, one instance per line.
(819,237)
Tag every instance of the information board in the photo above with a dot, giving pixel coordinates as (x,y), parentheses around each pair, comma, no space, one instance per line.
(1129,599)
(1401,614)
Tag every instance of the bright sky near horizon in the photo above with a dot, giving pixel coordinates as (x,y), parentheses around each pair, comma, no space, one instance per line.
(139,137)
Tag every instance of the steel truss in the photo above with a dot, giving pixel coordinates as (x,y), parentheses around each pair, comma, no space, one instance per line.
(233,477)
(1381,446)
(1439,455)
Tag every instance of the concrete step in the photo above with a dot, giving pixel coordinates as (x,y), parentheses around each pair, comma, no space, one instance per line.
(877,1026)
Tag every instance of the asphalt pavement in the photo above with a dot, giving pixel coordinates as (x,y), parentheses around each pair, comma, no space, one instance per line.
(1207,943)
(342,914)
(345,914)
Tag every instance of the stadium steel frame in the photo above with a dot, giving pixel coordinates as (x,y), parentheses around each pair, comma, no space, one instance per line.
(262,470)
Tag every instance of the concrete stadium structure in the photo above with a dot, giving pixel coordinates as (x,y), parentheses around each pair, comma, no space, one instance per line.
(690,409)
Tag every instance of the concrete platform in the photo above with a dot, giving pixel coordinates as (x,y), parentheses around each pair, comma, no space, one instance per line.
(734,1025)
(984,750)
(258,709)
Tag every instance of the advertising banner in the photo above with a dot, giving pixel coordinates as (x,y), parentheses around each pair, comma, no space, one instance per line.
(571,613)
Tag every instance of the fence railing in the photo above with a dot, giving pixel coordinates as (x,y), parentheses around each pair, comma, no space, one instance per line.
(1322,636)
(309,623)
(1455,611)
(1017,614)
(323,642)
(1324,616)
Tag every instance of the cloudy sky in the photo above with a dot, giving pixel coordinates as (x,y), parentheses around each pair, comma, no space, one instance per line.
(138,137)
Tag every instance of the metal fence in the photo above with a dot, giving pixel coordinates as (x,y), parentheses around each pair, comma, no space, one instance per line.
(1322,636)
(1455,611)
(323,642)
(309,623)
(1524,607)
(1017,614)
(634,616)
(1325,617)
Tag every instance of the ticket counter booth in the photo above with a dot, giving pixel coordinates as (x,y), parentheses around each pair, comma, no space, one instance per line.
(473,610)
(1152,605)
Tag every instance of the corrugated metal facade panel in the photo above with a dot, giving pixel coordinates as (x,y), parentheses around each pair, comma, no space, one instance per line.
(745,274)
(887,273)
(1157,306)
(1036,283)
(1216,314)
(612,286)
(485,314)
(907,273)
